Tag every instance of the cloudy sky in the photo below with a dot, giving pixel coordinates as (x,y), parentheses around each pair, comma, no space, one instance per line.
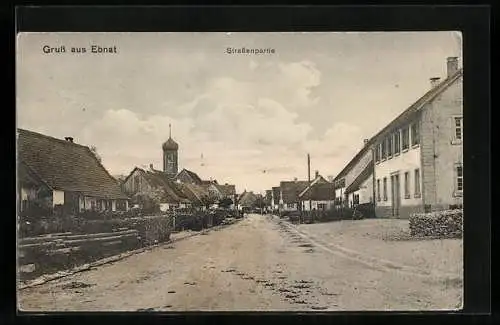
(244,119)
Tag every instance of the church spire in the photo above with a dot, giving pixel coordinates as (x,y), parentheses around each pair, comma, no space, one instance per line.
(170,131)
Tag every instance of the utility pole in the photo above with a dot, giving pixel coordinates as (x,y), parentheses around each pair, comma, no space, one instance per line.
(309,181)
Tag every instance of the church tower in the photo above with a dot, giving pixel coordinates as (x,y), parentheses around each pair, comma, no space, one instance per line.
(170,155)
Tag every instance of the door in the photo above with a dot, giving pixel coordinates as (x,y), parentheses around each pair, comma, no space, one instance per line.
(395,195)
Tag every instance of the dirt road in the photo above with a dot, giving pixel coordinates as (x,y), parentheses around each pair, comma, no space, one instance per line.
(257,264)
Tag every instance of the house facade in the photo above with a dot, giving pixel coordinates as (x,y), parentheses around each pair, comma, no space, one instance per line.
(317,196)
(152,187)
(350,173)
(55,172)
(187,176)
(360,191)
(289,195)
(418,156)
(275,198)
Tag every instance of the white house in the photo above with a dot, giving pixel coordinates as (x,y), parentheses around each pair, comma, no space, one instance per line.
(418,156)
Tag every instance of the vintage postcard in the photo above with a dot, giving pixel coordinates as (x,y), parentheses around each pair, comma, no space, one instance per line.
(239,171)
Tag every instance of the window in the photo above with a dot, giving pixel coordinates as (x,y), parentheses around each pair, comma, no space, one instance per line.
(417,182)
(355,199)
(378,189)
(397,142)
(290,205)
(389,146)
(321,206)
(458,126)
(407,185)
(384,149)
(385,188)
(460,179)
(406,138)
(415,134)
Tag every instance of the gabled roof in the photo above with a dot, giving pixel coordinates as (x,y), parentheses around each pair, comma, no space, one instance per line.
(193,192)
(402,118)
(247,198)
(319,192)
(290,190)
(318,180)
(158,179)
(363,176)
(410,112)
(208,182)
(191,174)
(354,161)
(66,166)
(227,189)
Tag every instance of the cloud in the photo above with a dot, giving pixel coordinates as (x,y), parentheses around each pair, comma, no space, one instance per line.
(321,94)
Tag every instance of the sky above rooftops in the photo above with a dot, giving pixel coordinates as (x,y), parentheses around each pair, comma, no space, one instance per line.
(244,119)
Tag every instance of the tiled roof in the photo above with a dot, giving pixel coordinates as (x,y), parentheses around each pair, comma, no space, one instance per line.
(290,190)
(409,113)
(66,166)
(227,190)
(354,160)
(404,117)
(319,192)
(363,176)
(194,193)
(318,180)
(172,193)
(247,199)
(192,175)
(208,182)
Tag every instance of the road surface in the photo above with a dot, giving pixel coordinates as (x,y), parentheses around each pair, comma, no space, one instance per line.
(259,263)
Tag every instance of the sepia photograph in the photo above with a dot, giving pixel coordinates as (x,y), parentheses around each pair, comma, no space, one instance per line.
(239,171)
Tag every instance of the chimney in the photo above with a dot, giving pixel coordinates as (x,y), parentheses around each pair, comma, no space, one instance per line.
(151,166)
(295,179)
(451,65)
(365,142)
(316,174)
(434,81)
(69,139)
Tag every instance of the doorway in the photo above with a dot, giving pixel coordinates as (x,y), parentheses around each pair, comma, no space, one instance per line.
(395,195)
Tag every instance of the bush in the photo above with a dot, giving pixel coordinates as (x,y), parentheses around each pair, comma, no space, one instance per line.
(442,224)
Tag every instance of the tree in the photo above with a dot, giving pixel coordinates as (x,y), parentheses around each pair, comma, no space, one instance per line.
(93,149)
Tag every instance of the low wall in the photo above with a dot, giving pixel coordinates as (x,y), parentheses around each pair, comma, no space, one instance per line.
(441,224)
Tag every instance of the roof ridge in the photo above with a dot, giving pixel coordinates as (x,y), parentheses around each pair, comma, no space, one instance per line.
(51,137)
(429,94)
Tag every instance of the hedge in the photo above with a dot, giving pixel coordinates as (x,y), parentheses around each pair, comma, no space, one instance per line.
(442,224)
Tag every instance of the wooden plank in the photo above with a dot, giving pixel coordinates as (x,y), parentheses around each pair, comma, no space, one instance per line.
(72,237)
(100,239)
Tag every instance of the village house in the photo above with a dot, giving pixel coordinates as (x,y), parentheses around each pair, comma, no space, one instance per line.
(187,176)
(360,191)
(418,156)
(319,195)
(351,173)
(289,195)
(152,186)
(54,172)
(197,195)
(275,198)
(247,199)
